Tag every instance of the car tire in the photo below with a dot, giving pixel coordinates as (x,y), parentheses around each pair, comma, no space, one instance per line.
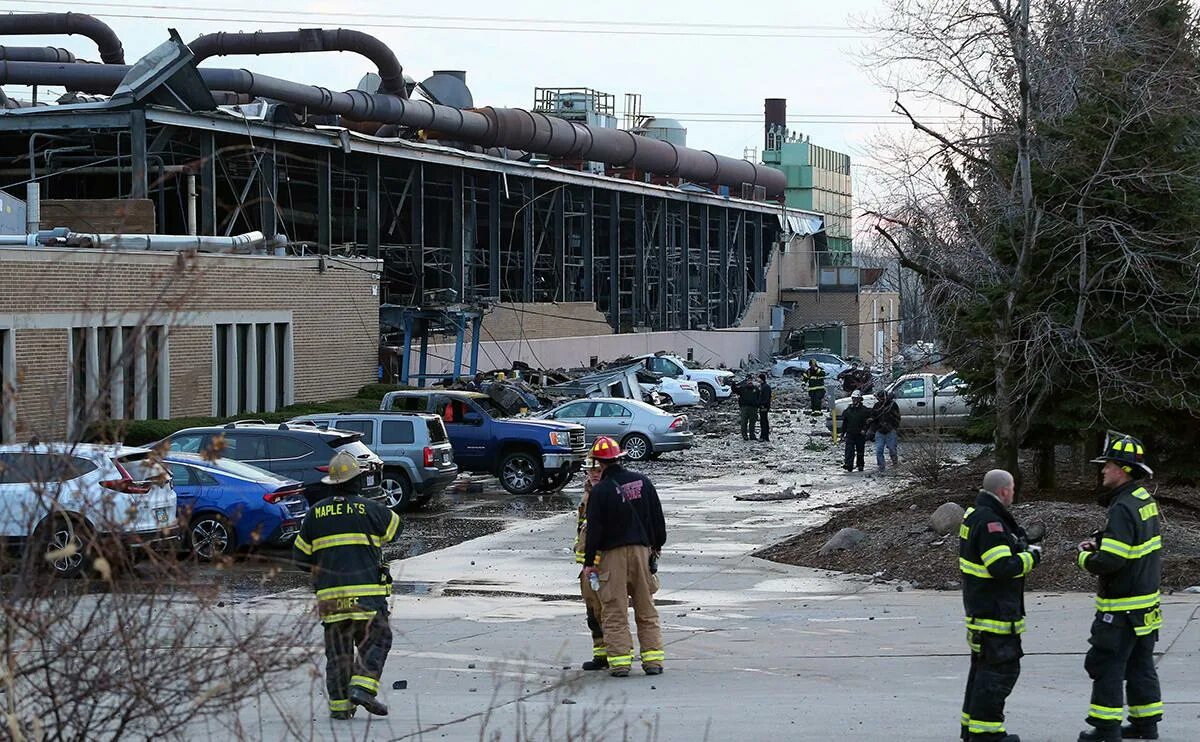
(637,447)
(397,489)
(54,535)
(211,536)
(655,456)
(708,395)
(520,473)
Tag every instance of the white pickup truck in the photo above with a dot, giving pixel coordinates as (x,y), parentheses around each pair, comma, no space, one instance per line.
(925,401)
(714,383)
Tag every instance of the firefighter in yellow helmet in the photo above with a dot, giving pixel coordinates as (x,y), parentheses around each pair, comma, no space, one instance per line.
(625,521)
(1127,557)
(341,542)
(591,599)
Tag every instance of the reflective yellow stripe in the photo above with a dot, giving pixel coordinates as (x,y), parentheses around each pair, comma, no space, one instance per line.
(996,627)
(1106,713)
(579,555)
(975,726)
(965,718)
(1134,603)
(344,539)
(1082,559)
(1027,561)
(995,554)
(1141,712)
(352,591)
(339,617)
(973,569)
(1151,622)
(974,645)
(963,532)
(1141,493)
(362,681)
(393,526)
(623,660)
(341,704)
(599,651)
(1149,511)
(654,655)
(1125,551)
(303,545)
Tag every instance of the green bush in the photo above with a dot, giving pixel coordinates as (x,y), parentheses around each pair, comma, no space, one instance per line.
(141,432)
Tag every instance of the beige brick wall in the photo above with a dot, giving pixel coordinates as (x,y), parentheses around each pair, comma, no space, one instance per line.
(825,307)
(334,313)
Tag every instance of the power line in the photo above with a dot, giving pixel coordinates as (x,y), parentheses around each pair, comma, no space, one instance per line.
(256,17)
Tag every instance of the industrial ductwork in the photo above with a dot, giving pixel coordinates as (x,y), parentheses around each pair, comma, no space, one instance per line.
(307,40)
(35,54)
(47,24)
(61,237)
(488,127)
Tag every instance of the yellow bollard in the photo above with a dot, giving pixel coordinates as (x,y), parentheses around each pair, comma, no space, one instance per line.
(833,415)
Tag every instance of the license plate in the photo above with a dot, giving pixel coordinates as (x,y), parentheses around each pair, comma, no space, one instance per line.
(445,458)
(162,515)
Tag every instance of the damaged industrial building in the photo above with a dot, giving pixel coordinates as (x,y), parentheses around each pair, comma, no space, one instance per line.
(557,234)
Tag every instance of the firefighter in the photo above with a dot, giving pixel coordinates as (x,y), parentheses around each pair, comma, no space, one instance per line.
(994,560)
(1127,557)
(748,399)
(625,520)
(814,377)
(341,542)
(591,599)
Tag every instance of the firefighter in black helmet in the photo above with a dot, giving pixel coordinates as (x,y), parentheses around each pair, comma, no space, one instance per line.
(1127,557)
(341,541)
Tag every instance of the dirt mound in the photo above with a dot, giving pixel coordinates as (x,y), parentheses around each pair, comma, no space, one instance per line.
(900,545)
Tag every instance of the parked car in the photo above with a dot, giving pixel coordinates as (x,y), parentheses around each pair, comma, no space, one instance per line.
(418,460)
(644,431)
(299,452)
(796,365)
(526,455)
(225,505)
(925,401)
(713,384)
(670,391)
(58,495)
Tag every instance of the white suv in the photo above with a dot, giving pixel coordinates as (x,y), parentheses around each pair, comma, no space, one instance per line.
(61,499)
(714,384)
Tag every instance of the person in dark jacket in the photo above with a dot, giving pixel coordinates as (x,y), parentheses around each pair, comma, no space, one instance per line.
(1127,557)
(341,542)
(885,424)
(764,408)
(747,393)
(994,560)
(625,521)
(814,379)
(854,431)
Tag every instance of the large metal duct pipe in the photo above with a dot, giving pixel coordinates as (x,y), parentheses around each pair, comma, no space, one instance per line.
(489,127)
(35,54)
(45,24)
(307,40)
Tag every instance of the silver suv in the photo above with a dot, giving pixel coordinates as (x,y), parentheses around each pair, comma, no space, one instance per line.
(418,461)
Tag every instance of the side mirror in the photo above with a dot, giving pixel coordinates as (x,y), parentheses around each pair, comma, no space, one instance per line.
(472,418)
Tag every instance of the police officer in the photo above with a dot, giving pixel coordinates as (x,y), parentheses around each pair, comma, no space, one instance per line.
(625,520)
(1127,557)
(591,599)
(341,542)
(814,377)
(994,561)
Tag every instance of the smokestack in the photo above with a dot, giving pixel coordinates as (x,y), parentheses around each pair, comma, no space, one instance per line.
(775,118)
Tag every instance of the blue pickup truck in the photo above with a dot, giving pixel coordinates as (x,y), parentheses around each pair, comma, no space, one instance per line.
(525,455)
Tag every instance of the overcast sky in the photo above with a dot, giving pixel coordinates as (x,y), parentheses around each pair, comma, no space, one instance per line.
(692,60)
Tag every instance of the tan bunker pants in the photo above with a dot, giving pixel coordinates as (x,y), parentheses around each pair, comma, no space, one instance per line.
(624,578)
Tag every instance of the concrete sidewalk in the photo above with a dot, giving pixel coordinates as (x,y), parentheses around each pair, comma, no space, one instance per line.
(489,633)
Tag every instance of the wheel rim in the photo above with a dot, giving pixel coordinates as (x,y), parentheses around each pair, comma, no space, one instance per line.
(636,448)
(707,394)
(518,473)
(393,490)
(61,539)
(209,538)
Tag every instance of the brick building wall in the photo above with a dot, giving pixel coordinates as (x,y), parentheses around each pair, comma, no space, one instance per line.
(332,308)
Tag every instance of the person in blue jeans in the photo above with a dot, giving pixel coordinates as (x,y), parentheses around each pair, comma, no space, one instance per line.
(884,423)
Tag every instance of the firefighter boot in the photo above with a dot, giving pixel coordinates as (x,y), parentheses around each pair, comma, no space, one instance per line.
(1147,730)
(1101,734)
(361,697)
(341,715)
(596,663)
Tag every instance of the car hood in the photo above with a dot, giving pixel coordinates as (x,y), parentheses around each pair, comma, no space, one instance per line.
(539,425)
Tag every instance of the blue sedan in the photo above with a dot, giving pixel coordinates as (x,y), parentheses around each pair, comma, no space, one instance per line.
(225,505)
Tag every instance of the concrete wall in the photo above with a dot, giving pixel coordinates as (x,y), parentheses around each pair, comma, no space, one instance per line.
(333,308)
(825,307)
(511,321)
(878,313)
